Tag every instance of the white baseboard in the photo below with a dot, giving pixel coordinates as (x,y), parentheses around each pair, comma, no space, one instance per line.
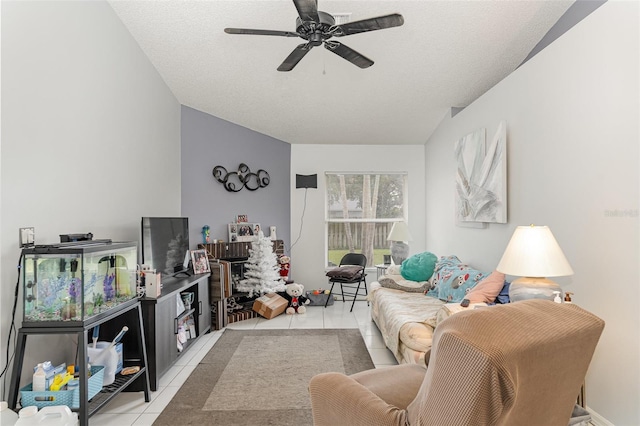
(597,419)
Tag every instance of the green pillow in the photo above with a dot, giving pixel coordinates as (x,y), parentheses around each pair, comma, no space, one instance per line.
(419,267)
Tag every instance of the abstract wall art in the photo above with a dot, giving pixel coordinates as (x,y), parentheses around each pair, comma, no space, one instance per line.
(481,177)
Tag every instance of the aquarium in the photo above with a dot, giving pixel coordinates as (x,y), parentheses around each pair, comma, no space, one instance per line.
(74,282)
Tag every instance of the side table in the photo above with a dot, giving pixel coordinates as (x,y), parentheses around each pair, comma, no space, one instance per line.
(381,269)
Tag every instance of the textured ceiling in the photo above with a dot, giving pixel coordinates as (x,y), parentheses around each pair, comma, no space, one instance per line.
(446,54)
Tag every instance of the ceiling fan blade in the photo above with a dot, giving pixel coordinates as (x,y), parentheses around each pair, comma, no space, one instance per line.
(307,10)
(349,54)
(261,32)
(371,24)
(295,57)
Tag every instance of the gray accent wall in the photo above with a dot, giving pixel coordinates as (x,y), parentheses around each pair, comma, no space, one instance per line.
(208,141)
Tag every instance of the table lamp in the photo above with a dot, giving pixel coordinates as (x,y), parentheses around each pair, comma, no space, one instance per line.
(533,254)
(398,235)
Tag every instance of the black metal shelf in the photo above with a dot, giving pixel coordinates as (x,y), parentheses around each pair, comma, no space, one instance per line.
(108,392)
(116,317)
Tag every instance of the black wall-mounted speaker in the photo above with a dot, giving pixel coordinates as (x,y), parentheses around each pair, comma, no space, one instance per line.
(306,181)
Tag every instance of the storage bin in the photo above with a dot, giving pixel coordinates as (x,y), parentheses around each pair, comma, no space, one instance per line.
(70,398)
(319,299)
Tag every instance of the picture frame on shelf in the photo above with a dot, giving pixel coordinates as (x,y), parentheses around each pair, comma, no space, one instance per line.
(242,218)
(200,261)
(243,232)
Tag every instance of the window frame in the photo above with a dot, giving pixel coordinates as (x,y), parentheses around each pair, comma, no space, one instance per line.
(328,220)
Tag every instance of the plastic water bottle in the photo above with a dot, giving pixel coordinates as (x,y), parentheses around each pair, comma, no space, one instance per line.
(27,416)
(39,379)
(58,415)
(8,417)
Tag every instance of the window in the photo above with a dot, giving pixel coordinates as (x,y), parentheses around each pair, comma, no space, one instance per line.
(360,210)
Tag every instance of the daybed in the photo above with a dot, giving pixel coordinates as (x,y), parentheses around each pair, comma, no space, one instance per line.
(407,311)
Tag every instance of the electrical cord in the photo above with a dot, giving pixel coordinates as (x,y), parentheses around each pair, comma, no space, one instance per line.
(301,221)
(12,330)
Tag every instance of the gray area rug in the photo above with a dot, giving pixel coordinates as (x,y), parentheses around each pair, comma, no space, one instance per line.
(261,377)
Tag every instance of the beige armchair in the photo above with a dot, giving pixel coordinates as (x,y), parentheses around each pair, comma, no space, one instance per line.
(516,364)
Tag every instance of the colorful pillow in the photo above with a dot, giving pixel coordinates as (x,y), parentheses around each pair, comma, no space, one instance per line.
(487,289)
(503,296)
(419,267)
(454,279)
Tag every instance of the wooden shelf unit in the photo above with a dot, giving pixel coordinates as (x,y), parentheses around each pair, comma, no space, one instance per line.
(223,258)
(237,250)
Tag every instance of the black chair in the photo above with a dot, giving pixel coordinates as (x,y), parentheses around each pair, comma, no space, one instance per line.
(350,272)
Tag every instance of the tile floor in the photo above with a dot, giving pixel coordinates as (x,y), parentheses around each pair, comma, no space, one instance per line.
(129,408)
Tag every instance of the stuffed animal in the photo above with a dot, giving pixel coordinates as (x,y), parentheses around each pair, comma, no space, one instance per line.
(206,234)
(293,293)
(285,263)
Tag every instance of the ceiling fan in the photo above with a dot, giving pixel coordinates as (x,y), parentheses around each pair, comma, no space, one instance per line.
(317,27)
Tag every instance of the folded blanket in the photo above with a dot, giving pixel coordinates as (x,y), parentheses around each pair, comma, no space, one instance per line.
(394,308)
(398,282)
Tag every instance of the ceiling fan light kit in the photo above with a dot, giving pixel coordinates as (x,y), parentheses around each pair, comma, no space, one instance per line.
(317,27)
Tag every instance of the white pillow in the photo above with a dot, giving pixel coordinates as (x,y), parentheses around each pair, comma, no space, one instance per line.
(393,270)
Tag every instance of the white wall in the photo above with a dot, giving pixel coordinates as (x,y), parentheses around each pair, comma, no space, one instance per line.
(90,137)
(573,138)
(308,254)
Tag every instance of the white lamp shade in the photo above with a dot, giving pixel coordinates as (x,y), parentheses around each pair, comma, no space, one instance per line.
(534,252)
(399,232)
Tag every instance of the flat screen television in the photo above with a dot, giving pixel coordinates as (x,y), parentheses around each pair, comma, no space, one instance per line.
(165,244)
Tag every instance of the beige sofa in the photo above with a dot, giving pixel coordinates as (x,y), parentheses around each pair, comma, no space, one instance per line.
(407,320)
(407,312)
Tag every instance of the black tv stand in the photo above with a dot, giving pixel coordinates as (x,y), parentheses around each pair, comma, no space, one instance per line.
(161,317)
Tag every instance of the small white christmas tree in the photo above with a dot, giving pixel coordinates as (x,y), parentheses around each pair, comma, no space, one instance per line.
(262,273)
